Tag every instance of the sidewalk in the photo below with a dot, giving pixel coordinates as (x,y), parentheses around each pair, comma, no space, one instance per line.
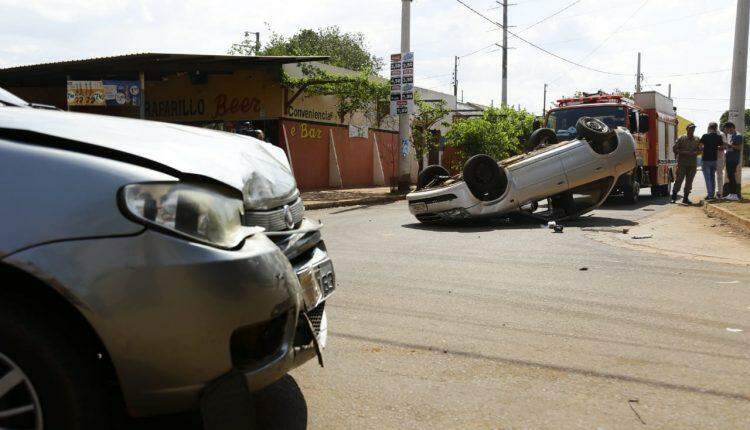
(349,197)
(734,213)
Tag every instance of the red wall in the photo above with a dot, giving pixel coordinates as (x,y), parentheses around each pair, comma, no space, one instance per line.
(309,145)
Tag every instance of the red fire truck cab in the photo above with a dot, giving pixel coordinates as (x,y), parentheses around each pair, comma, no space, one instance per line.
(650,118)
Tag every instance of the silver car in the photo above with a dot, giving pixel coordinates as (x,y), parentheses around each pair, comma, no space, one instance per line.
(554,181)
(167,265)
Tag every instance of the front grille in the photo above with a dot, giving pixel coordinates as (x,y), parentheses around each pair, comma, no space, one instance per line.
(255,343)
(275,219)
(303,336)
(436,199)
(316,316)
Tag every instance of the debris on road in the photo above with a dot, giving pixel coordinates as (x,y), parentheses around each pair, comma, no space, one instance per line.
(607,229)
(583,269)
(558,229)
(551,224)
(630,403)
(734,330)
(727,282)
(649,209)
(645,236)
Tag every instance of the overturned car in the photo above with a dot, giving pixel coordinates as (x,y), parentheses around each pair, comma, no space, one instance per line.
(554,181)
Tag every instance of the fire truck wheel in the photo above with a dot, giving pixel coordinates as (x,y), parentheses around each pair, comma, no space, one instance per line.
(485,179)
(631,191)
(593,130)
(429,174)
(541,138)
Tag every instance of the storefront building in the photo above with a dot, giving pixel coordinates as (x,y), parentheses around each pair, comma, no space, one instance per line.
(229,93)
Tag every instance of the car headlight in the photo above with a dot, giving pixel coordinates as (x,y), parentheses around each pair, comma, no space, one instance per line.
(198,212)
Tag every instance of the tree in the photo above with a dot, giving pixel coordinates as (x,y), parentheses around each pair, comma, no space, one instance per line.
(347,50)
(427,115)
(354,93)
(497,133)
(725,117)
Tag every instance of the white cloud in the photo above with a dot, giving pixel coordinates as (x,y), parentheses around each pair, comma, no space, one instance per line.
(33,31)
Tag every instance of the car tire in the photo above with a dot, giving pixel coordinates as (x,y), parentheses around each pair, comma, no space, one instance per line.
(631,191)
(429,173)
(64,379)
(541,138)
(593,130)
(484,177)
(281,405)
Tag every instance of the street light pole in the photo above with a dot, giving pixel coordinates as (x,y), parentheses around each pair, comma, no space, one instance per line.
(404,161)
(739,73)
(504,100)
(638,76)
(544,102)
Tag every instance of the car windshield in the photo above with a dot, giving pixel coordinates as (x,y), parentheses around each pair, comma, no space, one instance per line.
(8,99)
(564,121)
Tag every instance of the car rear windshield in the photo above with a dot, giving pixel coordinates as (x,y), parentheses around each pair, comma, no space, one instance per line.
(564,121)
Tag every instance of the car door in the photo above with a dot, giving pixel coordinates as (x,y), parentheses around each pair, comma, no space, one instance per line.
(539,177)
(583,165)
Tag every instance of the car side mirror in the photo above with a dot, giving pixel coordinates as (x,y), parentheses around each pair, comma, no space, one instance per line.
(643,123)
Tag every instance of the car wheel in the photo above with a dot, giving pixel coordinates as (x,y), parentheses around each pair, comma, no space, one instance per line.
(631,191)
(281,405)
(485,179)
(593,130)
(541,138)
(429,174)
(44,381)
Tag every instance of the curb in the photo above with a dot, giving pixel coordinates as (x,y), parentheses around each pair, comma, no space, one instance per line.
(354,202)
(728,216)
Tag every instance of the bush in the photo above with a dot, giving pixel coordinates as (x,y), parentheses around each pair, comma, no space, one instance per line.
(499,133)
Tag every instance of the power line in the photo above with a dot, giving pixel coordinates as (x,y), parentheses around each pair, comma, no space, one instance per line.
(603,42)
(677,75)
(539,47)
(551,16)
(478,50)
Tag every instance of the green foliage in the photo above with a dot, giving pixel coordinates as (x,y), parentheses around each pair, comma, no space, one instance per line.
(354,93)
(496,133)
(427,115)
(346,50)
(725,117)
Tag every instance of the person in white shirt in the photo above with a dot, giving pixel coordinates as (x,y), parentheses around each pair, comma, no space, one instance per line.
(721,164)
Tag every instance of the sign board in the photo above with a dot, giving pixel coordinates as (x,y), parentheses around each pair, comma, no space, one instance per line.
(104,93)
(402,83)
(121,93)
(358,131)
(86,93)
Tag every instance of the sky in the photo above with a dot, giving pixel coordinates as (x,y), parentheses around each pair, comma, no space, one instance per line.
(679,40)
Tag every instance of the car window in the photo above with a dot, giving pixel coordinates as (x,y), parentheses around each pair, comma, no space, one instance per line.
(8,99)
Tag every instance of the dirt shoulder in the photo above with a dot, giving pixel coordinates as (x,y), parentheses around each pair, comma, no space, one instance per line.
(683,231)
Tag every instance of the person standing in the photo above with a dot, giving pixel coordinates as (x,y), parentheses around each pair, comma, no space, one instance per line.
(721,163)
(733,160)
(686,149)
(710,144)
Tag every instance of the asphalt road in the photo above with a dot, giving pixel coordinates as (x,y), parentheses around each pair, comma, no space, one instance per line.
(500,325)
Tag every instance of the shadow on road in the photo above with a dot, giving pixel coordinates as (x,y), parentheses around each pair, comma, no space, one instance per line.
(278,406)
(618,203)
(517,222)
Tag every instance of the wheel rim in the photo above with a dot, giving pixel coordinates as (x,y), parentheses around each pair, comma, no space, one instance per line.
(19,403)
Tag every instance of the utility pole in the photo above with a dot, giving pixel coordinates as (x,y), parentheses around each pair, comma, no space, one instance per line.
(669,91)
(638,76)
(504,101)
(544,103)
(455,81)
(739,75)
(404,161)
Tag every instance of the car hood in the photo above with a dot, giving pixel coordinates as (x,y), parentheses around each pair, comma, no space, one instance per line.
(257,169)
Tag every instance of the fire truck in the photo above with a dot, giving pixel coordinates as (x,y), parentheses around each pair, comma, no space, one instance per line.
(651,119)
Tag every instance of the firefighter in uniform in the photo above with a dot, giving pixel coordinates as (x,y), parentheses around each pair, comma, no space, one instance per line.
(686,149)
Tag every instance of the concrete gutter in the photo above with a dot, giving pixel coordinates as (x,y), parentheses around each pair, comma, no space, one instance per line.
(374,200)
(728,216)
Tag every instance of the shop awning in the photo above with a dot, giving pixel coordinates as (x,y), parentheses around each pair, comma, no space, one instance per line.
(154,65)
